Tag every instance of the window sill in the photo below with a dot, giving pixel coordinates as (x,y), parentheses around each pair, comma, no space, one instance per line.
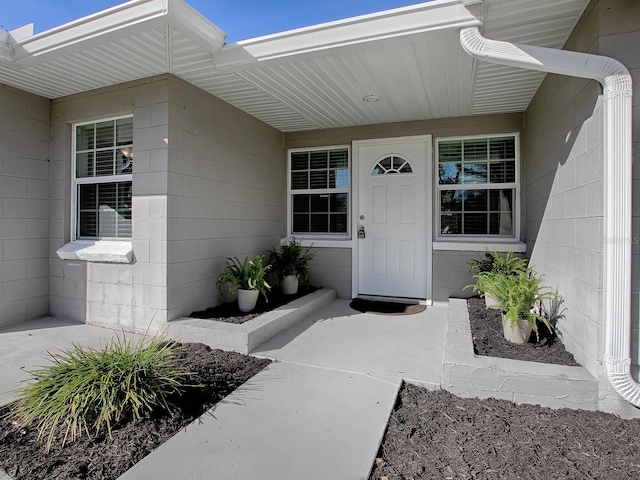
(480,246)
(321,242)
(97,251)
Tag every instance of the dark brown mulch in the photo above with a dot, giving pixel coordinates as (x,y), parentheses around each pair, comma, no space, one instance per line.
(436,435)
(105,458)
(230,313)
(488,339)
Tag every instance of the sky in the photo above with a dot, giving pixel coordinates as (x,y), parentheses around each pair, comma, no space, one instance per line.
(240,19)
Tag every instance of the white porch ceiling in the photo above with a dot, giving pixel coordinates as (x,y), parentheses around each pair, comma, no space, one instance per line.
(313,78)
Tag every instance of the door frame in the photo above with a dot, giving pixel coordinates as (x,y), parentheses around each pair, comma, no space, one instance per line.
(355,199)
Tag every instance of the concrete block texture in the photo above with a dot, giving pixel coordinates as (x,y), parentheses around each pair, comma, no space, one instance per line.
(570,254)
(24,205)
(177,238)
(221,199)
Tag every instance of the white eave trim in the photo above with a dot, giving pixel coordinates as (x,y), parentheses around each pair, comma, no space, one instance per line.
(617,92)
(416,19)
(122,19)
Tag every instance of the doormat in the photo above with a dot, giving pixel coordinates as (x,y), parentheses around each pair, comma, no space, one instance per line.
(386,308)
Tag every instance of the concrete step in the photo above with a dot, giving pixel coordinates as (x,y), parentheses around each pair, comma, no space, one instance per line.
(246,337)
(470,375)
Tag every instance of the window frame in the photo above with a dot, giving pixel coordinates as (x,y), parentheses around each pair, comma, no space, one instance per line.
(76,181)
(516,186)
(310,191)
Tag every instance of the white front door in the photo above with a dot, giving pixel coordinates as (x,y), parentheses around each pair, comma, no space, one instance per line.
(392,233)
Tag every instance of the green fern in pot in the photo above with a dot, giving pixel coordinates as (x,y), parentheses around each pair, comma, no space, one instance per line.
(245,276)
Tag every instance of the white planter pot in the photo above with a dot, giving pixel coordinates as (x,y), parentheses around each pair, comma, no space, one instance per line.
(520,334)
(290,285)
(490,301)
(247,299)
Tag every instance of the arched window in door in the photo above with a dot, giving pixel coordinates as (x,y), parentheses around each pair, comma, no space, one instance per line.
(392,164)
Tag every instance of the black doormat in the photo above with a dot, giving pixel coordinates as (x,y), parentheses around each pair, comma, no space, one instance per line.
(386,308)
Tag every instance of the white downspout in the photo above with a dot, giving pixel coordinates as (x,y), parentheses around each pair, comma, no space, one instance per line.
(617,90)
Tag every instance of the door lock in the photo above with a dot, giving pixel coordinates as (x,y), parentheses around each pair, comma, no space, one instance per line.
(361,233)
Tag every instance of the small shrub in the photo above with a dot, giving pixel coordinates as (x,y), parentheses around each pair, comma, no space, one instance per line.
(86,391)
(292,259)
(248,275)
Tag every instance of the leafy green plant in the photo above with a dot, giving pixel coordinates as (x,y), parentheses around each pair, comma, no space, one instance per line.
(494,263)
(248,275)
(291,259)
(485,269)
(517,296)
(86,391)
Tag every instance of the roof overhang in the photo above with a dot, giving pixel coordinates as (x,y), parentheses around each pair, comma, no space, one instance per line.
(120,21)
(304,79)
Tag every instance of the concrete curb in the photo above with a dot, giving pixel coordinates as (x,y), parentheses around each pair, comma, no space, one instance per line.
(246,337)
(470,375)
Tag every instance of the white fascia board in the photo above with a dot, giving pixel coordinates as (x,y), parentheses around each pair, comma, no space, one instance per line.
(8,41)
(422,18)
(106,21)
(208,35)
(116,22)
(77,33)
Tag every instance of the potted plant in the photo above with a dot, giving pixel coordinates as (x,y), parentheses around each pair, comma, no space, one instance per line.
(291,264)
(493,264)
(248,278)
(519,297)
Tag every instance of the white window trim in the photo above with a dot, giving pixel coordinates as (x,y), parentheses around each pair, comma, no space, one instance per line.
(105,251)
(326,240)
(477,242)
(119,250)
(90,180)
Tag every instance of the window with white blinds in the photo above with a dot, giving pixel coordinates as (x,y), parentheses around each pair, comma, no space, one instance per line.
(319,191)
(103,173)
(477,186)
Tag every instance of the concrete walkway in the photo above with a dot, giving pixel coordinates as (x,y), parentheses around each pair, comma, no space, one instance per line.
(319,411)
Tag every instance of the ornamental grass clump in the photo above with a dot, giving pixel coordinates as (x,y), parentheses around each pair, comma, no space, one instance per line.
(87,391)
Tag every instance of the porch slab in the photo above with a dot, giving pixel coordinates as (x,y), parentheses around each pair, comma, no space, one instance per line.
(246,337)
(396,348)
(470,375)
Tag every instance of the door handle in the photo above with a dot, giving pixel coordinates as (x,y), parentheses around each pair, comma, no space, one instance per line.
(361,233)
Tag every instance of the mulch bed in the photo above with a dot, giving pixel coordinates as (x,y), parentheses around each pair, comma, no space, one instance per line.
(488,339)
(230,313)
(105,458)
(436,435)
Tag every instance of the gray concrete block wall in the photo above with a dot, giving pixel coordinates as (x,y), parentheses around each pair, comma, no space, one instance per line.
(24,206)
(451,274)
(332,268)
(225,185)
(130,296)
(564,172)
